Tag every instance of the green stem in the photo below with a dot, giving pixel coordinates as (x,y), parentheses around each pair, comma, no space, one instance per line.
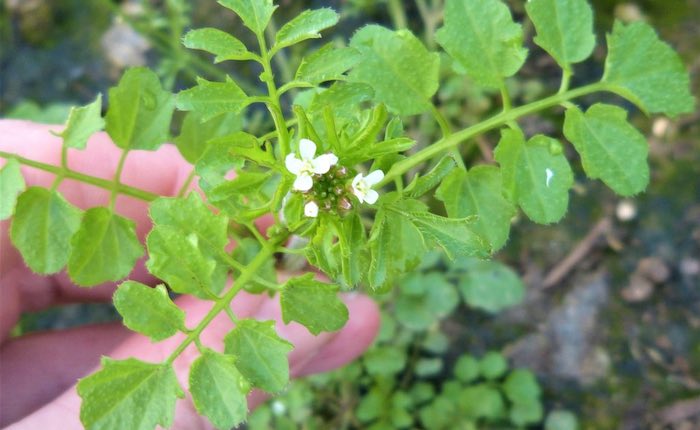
(397,14)
(116,182)
(455,139)
(505,97)
(77,176)
(273,105)
(186,185)
(225,301)
(565,80)
(441,120)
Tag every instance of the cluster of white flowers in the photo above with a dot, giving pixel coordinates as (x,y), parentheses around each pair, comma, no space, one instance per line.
(309,165)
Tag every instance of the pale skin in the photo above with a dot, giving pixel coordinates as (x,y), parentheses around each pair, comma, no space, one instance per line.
(39,371)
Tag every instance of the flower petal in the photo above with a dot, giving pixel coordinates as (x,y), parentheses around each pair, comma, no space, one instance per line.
(303,182)
(323,163)
(356,180)
(293,164)
(371,197)
(311,209)
(359,194)
(307,149)
(374,177)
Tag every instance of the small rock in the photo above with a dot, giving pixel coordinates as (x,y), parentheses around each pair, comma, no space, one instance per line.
(654,269)
(690,266)
(626,210)
(639,289)
(124,47)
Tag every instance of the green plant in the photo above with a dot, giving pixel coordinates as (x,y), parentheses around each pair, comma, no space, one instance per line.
(337,170)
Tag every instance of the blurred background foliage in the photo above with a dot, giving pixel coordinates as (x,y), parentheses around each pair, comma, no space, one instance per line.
(592,323)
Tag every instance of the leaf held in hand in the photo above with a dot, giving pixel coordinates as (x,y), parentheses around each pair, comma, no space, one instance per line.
(148,311)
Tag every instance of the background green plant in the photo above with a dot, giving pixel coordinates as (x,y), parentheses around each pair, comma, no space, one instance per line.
(526,197)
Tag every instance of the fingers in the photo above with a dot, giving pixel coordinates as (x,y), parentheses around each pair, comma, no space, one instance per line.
(161,172)
(311,354)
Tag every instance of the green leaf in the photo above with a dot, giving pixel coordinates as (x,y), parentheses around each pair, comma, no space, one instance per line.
(526,413)
(561,420)
(353,255)
(217,42)
(306,25)
(610,147)
(479,192)
(343,99)
(217,161)
(536,175)
(327,64)
(238,145)
(521,386)
(189,217)
(481,401)
(384,360)
(254,13)
(493,365)
(564,29)
(403,74)
(261,355)
(82,123)
(139,111)
(105,248)
(42,228)
(313,304)
(378,149)
(219,390)
(246,250)
(467,368)
(423,184)
(148,311)
(647,71)
(129,394)
(425,299)
(455,236)
(428,366)
(211,99)
(196,133)
(490,285)
(482,38)
(396,245)
(176,259)
(11,184)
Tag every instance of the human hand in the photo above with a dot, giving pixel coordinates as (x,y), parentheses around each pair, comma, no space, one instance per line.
(39,371)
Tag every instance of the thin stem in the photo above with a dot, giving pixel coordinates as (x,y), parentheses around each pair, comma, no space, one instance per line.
(565,80)
(186,185)
(505,97)
(397,14)
(231,315)
(116,182)
(455,139)
(77,176)
(273,105)
(225,301)
(441,120)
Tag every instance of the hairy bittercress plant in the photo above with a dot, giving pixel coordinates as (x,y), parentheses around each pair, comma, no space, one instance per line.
(333,173)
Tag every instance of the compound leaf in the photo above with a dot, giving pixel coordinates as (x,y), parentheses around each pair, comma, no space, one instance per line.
(261,355)
(221,44)
(139,111)
(402,72)
(254,13)
(219,390)
(82,123)
(479,193)
(306,25)
(610,147)
(105,248)
(129,394)
(211,99)
(148,311)
(313,304)
(482,38)
(196,133)
(42,228)
(11,184)
(647,71)
(564,29)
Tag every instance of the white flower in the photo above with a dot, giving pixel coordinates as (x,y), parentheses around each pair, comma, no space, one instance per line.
(362,186)
(311,209)
(307,166)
